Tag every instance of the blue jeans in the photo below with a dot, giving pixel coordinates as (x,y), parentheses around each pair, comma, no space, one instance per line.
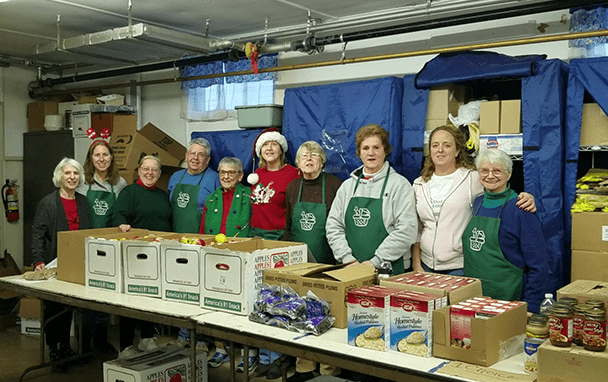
(453,272)
(268,356)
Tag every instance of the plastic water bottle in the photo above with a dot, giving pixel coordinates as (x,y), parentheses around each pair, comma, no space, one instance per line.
(548,302)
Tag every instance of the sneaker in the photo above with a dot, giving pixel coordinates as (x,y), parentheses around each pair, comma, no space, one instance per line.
(57,367)
(182,343)
(202,346)
(218,359)
(128,352)
(146,344)
(253,362)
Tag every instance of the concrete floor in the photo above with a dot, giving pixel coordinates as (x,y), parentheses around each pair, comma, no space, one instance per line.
(19,351)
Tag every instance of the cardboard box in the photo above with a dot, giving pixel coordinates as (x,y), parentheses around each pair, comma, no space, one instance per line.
(232,274)
(141,266)
(181,272)
(162,365)
(510,116)
(589,265)
(590,232)
(584,290)
(103,260)
(571,364)
(461,293)
(111,121)
(431,124)
(130,146)
(594,126)
(332,283)
(444,100)
(70,252)
(36,111)
(492,339)
(489,117)
(29,311)
(289,275)
(510,144)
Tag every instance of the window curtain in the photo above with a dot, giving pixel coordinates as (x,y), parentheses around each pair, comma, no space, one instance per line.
(215,98)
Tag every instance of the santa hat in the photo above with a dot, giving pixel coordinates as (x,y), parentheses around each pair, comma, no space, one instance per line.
(268,135)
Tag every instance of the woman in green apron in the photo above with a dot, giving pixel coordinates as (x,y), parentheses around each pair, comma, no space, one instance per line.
(373,217)
(309,199)
(504,246)
(101,186)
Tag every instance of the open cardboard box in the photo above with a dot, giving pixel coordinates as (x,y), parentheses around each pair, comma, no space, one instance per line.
(571,364)
(332,283)
(584,290)
(233,273)
(290,275)
(461,294)
(490,337)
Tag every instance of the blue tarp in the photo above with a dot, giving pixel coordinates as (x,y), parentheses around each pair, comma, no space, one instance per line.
(413,116)
(591,75)
(332,114)
(474,65)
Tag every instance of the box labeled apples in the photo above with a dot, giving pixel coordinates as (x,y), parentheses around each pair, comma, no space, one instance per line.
(162,365)
(103,260)
(141,264)
(369,318)
(232,273)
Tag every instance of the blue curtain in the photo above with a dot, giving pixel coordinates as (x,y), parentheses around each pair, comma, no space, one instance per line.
(413,118)
(332,114)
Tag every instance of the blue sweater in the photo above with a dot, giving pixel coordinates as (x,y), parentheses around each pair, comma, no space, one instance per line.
(209,183)
(522,242)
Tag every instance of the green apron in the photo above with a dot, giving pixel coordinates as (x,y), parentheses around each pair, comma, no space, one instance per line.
(365,229)
(184,205)
(276,234)
(102,205)
(483,258)
(308,226)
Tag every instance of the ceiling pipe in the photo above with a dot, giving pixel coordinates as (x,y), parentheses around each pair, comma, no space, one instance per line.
(454,49)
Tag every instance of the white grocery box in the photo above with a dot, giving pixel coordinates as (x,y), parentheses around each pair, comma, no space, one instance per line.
(512,144)
(180,269)
(162,365)
(369,318)
(259,116)
(103,264)
(141,265)
(232,274)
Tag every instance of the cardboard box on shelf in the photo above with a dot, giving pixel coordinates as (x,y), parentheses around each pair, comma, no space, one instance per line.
(36,111)
(431,124)
(444,100)
(510,116)
(489,117)
(492,339)
(570,364)
(289,275)
(594,126)
(166,364)
(130,146)
(510,144)
(111,121)
(584,290)
(70,252)
(332,283)
(103,260)
(232,273)
(590,231)
(458,292)
(589,265)
(29,311)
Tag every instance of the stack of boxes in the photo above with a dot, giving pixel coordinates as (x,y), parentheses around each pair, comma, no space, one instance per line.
(500,126)
(590,246)
(443,101)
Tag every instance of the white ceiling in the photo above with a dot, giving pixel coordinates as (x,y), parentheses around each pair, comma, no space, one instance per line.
(24,24)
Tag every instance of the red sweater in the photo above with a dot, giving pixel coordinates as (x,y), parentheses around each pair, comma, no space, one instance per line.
(268,197)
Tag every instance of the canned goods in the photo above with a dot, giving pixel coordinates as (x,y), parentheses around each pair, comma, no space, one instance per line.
(560,326)
(599,304)
(531,354)
(594,331)
(578,320)
(570,301)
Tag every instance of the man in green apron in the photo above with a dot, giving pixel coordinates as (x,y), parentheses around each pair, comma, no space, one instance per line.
(373,217)
(189,188)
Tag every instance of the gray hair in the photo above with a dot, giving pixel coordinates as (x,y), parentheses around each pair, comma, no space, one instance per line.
(313,147)
(231,161)
(58,172)
(202,142)
(494,156)
(160,165)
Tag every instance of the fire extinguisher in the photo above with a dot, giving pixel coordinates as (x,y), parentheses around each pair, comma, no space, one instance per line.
(11,200)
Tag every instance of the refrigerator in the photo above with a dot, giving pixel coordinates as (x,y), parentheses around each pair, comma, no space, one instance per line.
(42,151)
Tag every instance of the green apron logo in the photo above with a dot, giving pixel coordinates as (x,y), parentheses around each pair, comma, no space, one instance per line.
(183,199)
(308,221)
(361,216)
(100,207)
(477,239)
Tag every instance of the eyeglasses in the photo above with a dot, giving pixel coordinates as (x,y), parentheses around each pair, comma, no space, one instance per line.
(230,173)
(197,155)
(153,170)
(309,155)
(497,172)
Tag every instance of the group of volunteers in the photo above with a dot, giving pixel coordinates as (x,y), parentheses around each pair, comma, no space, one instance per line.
(459,217)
